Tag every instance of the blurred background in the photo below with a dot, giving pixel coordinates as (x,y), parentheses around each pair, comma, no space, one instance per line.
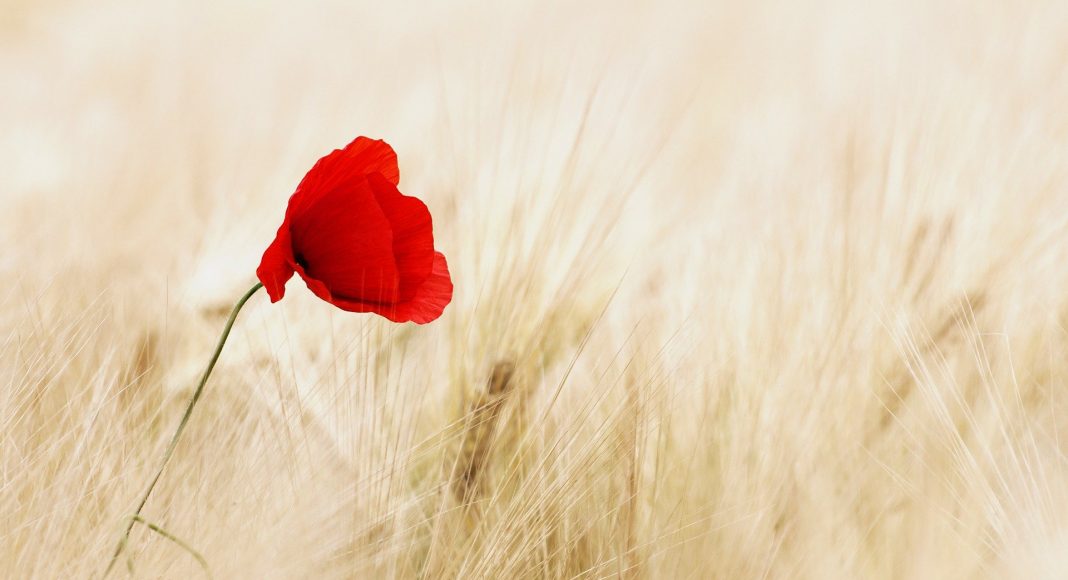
(743,290)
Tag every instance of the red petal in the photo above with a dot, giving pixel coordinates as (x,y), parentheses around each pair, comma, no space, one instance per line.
(356,160)
(427,305)
(433,296)
(316,286)
(345,242)
(276,265)
(413,234)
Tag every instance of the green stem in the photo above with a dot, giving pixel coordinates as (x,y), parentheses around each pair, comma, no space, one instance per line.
(181,426)
(196,555)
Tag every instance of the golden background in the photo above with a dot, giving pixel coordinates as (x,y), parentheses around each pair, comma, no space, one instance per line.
(743,290)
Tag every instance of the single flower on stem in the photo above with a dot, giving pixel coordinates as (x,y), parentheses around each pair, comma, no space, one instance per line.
(358,243)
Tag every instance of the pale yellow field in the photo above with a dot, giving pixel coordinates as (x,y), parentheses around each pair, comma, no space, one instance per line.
(765,291)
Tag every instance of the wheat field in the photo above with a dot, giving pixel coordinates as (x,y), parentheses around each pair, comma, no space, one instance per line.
(743,290)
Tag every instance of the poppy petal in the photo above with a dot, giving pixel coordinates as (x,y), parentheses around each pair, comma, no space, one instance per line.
(433,296)
(316,286)
(345,242)
(413,234)
(427,305)
(275,267)
(357,159)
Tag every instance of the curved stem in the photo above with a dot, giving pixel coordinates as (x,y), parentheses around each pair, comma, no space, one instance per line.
(181,426)
(155,528)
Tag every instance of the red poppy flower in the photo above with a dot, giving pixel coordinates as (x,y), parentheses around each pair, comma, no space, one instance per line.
(357,241)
